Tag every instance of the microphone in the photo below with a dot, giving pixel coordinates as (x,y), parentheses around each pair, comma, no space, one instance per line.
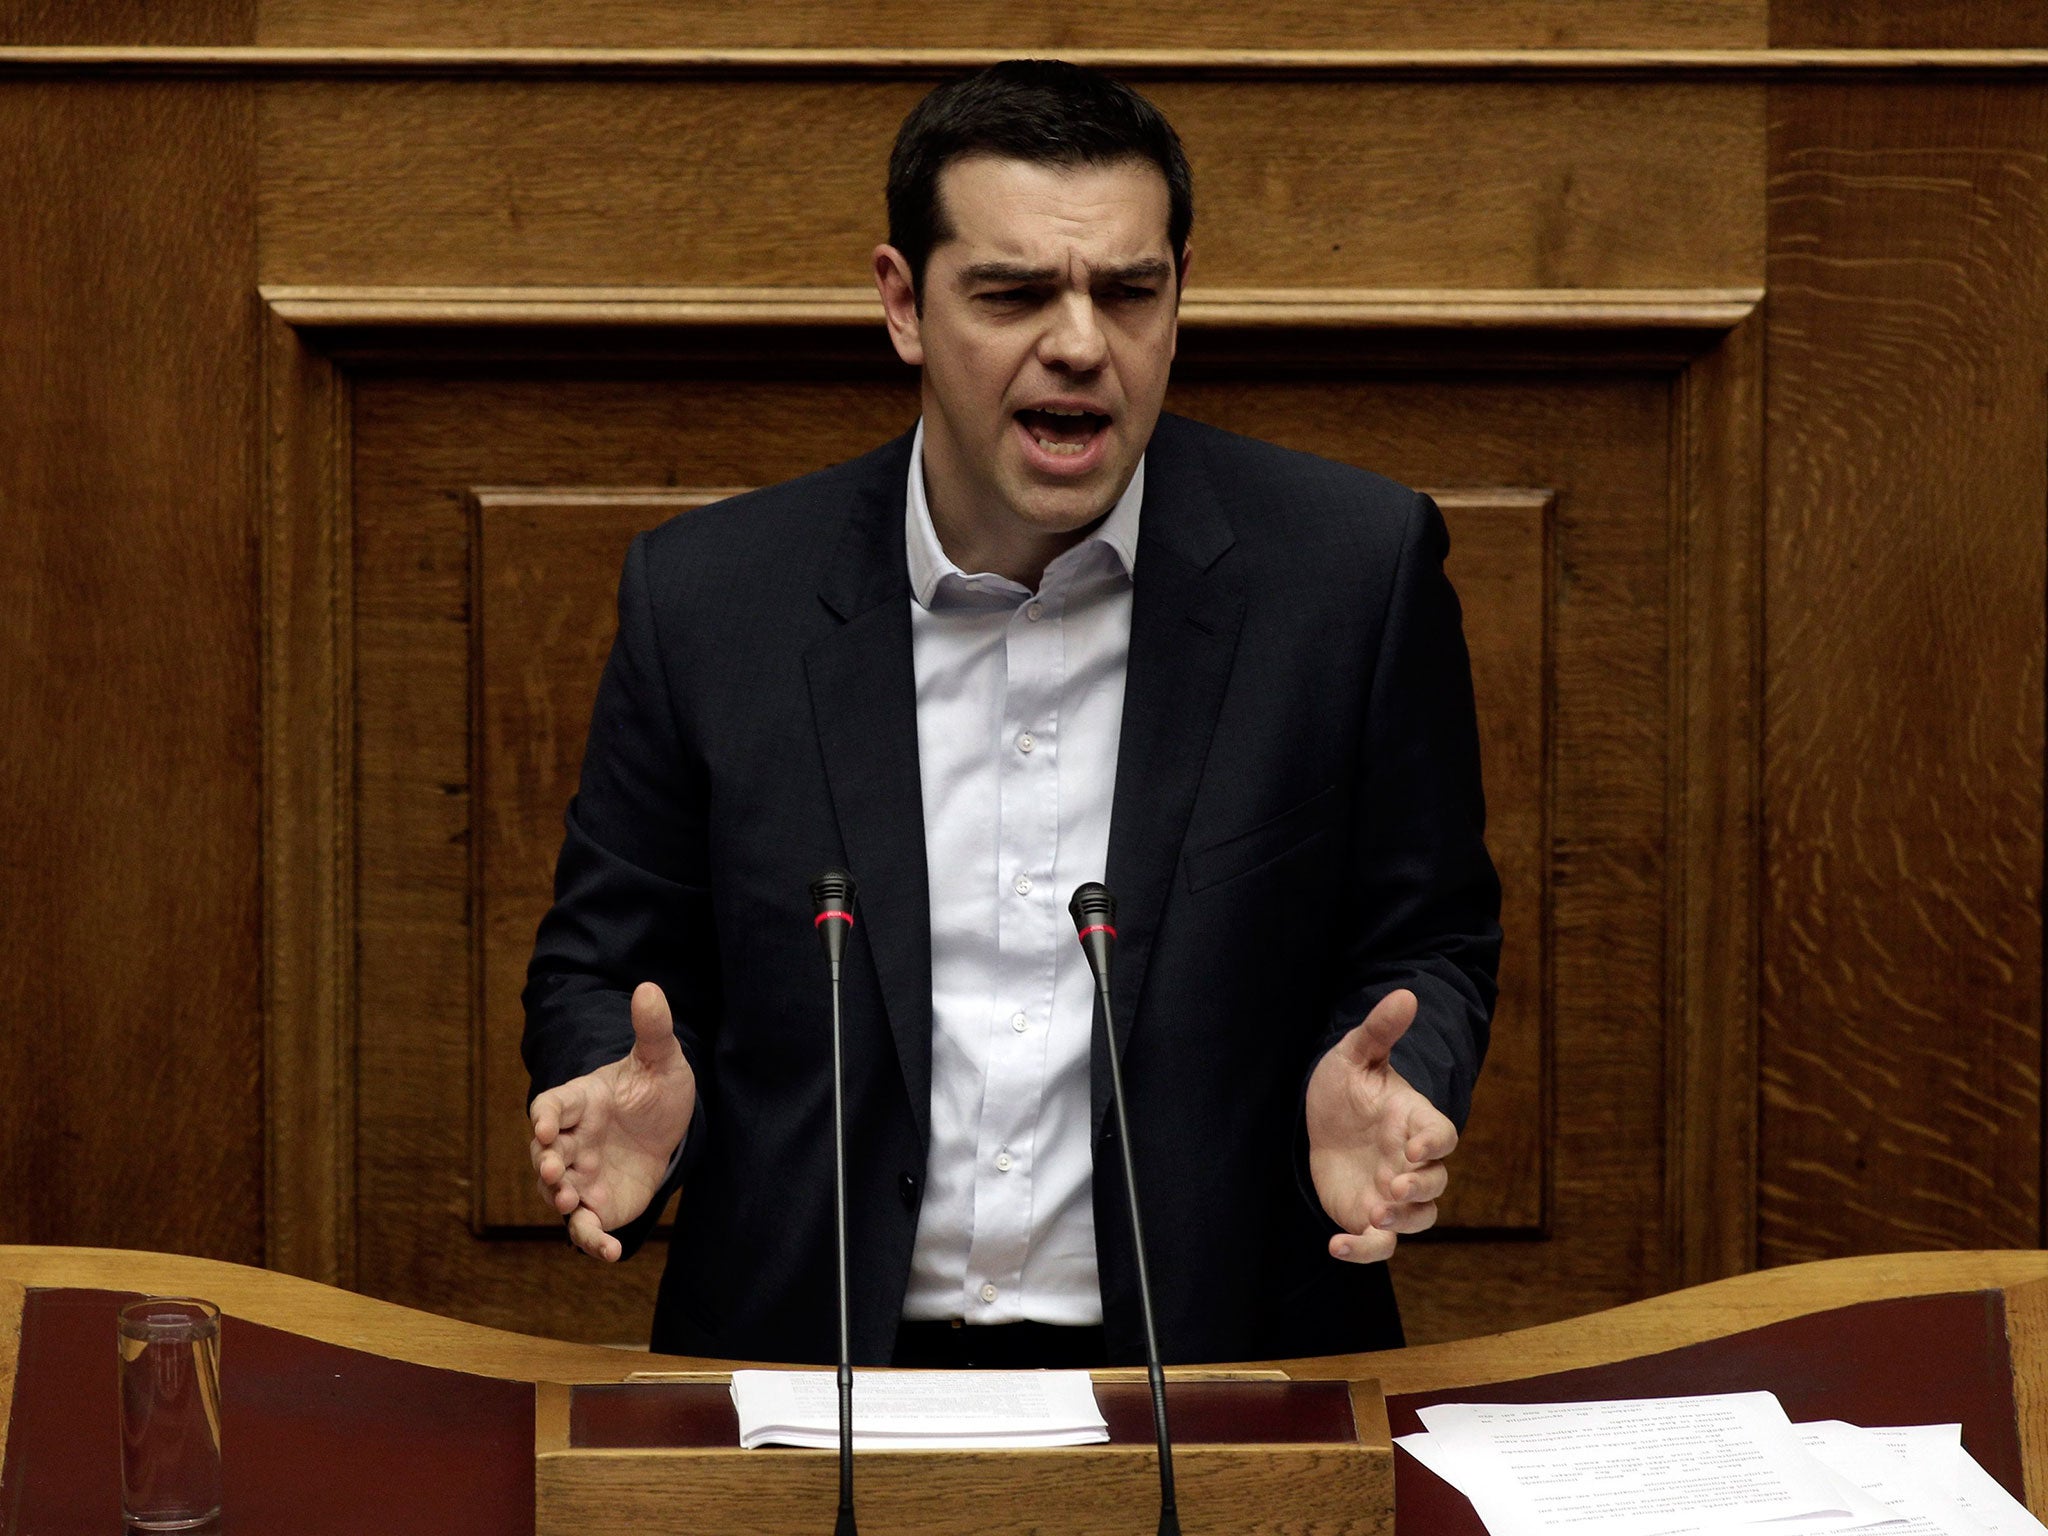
(832,894)
(1094,913)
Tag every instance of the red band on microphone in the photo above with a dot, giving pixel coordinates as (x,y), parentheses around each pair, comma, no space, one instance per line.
(823,917)
(1096,928)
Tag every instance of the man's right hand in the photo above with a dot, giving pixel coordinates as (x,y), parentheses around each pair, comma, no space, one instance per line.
(602,1142)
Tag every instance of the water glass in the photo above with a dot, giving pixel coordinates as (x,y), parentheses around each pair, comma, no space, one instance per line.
(170,1413)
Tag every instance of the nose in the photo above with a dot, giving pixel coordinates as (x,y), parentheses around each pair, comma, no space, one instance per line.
(1073,340)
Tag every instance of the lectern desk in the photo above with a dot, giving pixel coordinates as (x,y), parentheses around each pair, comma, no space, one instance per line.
(350,1415)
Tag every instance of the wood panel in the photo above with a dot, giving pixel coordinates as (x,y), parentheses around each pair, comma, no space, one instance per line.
(544,570)
(989,24)
(1907,24)
(1335,183)
(1500,563)
(191,23)
(1613,438)
(131,1056)
(1904,605)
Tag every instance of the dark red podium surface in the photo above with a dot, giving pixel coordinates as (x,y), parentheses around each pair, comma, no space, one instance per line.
(1917,1360)
(315,1438)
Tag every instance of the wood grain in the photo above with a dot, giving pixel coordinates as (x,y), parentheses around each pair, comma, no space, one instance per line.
(1500,563)
(1108,1491)
(12,1295)
(112,23)
(1712,1311)
(1904,604)
(933,64)
(1906,23)
(2026,1325)
(308,729)
(1716,725)
(985,23)
(1582,185)
(129,874)
(544,567)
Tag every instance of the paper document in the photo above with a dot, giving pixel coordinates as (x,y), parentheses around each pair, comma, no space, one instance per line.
(1635,1467)
(919,1410)
(1724,1465)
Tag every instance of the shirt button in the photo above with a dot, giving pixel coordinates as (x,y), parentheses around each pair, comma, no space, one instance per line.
(1003,1162)
(1034,612)
(988,1293)
(1023,885)
(1026,742)
(1019,1023)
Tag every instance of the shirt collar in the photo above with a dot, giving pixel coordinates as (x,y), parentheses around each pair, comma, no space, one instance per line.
(929,563)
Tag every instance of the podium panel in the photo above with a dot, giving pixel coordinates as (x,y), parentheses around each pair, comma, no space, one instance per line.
(343,1414)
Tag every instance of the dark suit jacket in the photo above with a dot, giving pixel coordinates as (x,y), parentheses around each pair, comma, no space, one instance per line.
(1295,831)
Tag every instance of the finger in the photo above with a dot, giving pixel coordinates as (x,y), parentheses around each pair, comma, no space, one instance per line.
(1431,1138)
(559,1107)
(1425,1183)
(1362,1247)
(1419,1216)
(588,1233)
(1367,1045)
(654,1027)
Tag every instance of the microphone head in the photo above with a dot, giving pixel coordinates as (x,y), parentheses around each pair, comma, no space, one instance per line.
(1093,906)
(1094,912)
(833,891)
(832,895)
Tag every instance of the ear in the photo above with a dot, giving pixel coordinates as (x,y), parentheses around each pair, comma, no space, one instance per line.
(899,304)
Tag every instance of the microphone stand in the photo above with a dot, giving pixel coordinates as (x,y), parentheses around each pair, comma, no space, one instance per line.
(1094,914)
(833,893)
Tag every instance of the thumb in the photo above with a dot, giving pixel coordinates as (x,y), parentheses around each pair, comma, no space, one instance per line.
(654,1028)
(1368,1045)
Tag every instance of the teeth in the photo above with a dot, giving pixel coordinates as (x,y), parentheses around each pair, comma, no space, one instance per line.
(1060,410)
(1062,448)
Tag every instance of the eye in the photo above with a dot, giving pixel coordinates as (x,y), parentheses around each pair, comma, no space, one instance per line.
(1008,296)
(1130,293)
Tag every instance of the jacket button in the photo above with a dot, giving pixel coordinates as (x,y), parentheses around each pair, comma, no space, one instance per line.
(909,1191)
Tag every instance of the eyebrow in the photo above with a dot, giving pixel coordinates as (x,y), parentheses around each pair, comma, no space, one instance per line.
(1151,268)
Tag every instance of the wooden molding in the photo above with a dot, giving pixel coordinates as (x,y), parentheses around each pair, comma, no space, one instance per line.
(1547,309)
(1141,63)
(308,814)
(1715,736)
(1712,1311)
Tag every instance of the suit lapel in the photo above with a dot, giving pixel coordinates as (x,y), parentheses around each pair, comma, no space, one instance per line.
(1187,604)
(864,702)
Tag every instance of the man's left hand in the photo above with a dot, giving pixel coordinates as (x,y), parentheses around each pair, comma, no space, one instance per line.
(1376,1147)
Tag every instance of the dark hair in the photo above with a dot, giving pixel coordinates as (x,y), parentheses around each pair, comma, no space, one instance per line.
(1038,110)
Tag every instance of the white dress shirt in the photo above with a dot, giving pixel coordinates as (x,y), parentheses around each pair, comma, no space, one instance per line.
(1019,706)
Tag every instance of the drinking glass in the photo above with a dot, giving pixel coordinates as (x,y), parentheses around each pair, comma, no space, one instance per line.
(170,1413)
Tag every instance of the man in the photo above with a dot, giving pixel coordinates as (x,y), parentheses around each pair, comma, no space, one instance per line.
(1049,637)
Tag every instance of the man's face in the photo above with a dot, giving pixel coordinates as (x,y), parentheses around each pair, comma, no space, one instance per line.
(1046,334)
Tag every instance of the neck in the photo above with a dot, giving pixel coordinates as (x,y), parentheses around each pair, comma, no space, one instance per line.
(978,534)
(1021,554)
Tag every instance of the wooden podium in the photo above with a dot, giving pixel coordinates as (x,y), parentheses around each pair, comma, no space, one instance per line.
(344,1414)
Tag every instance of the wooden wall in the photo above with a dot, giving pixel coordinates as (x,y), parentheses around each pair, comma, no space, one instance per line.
(327,330)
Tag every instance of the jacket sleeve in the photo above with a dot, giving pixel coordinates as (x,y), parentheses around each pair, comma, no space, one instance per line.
(632,902)
(1424,908)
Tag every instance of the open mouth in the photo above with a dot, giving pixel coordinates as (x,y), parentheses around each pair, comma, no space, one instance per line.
(1063,433)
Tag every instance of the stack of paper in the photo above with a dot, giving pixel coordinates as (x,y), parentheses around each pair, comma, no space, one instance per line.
(1724,1465)
(919,1410)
